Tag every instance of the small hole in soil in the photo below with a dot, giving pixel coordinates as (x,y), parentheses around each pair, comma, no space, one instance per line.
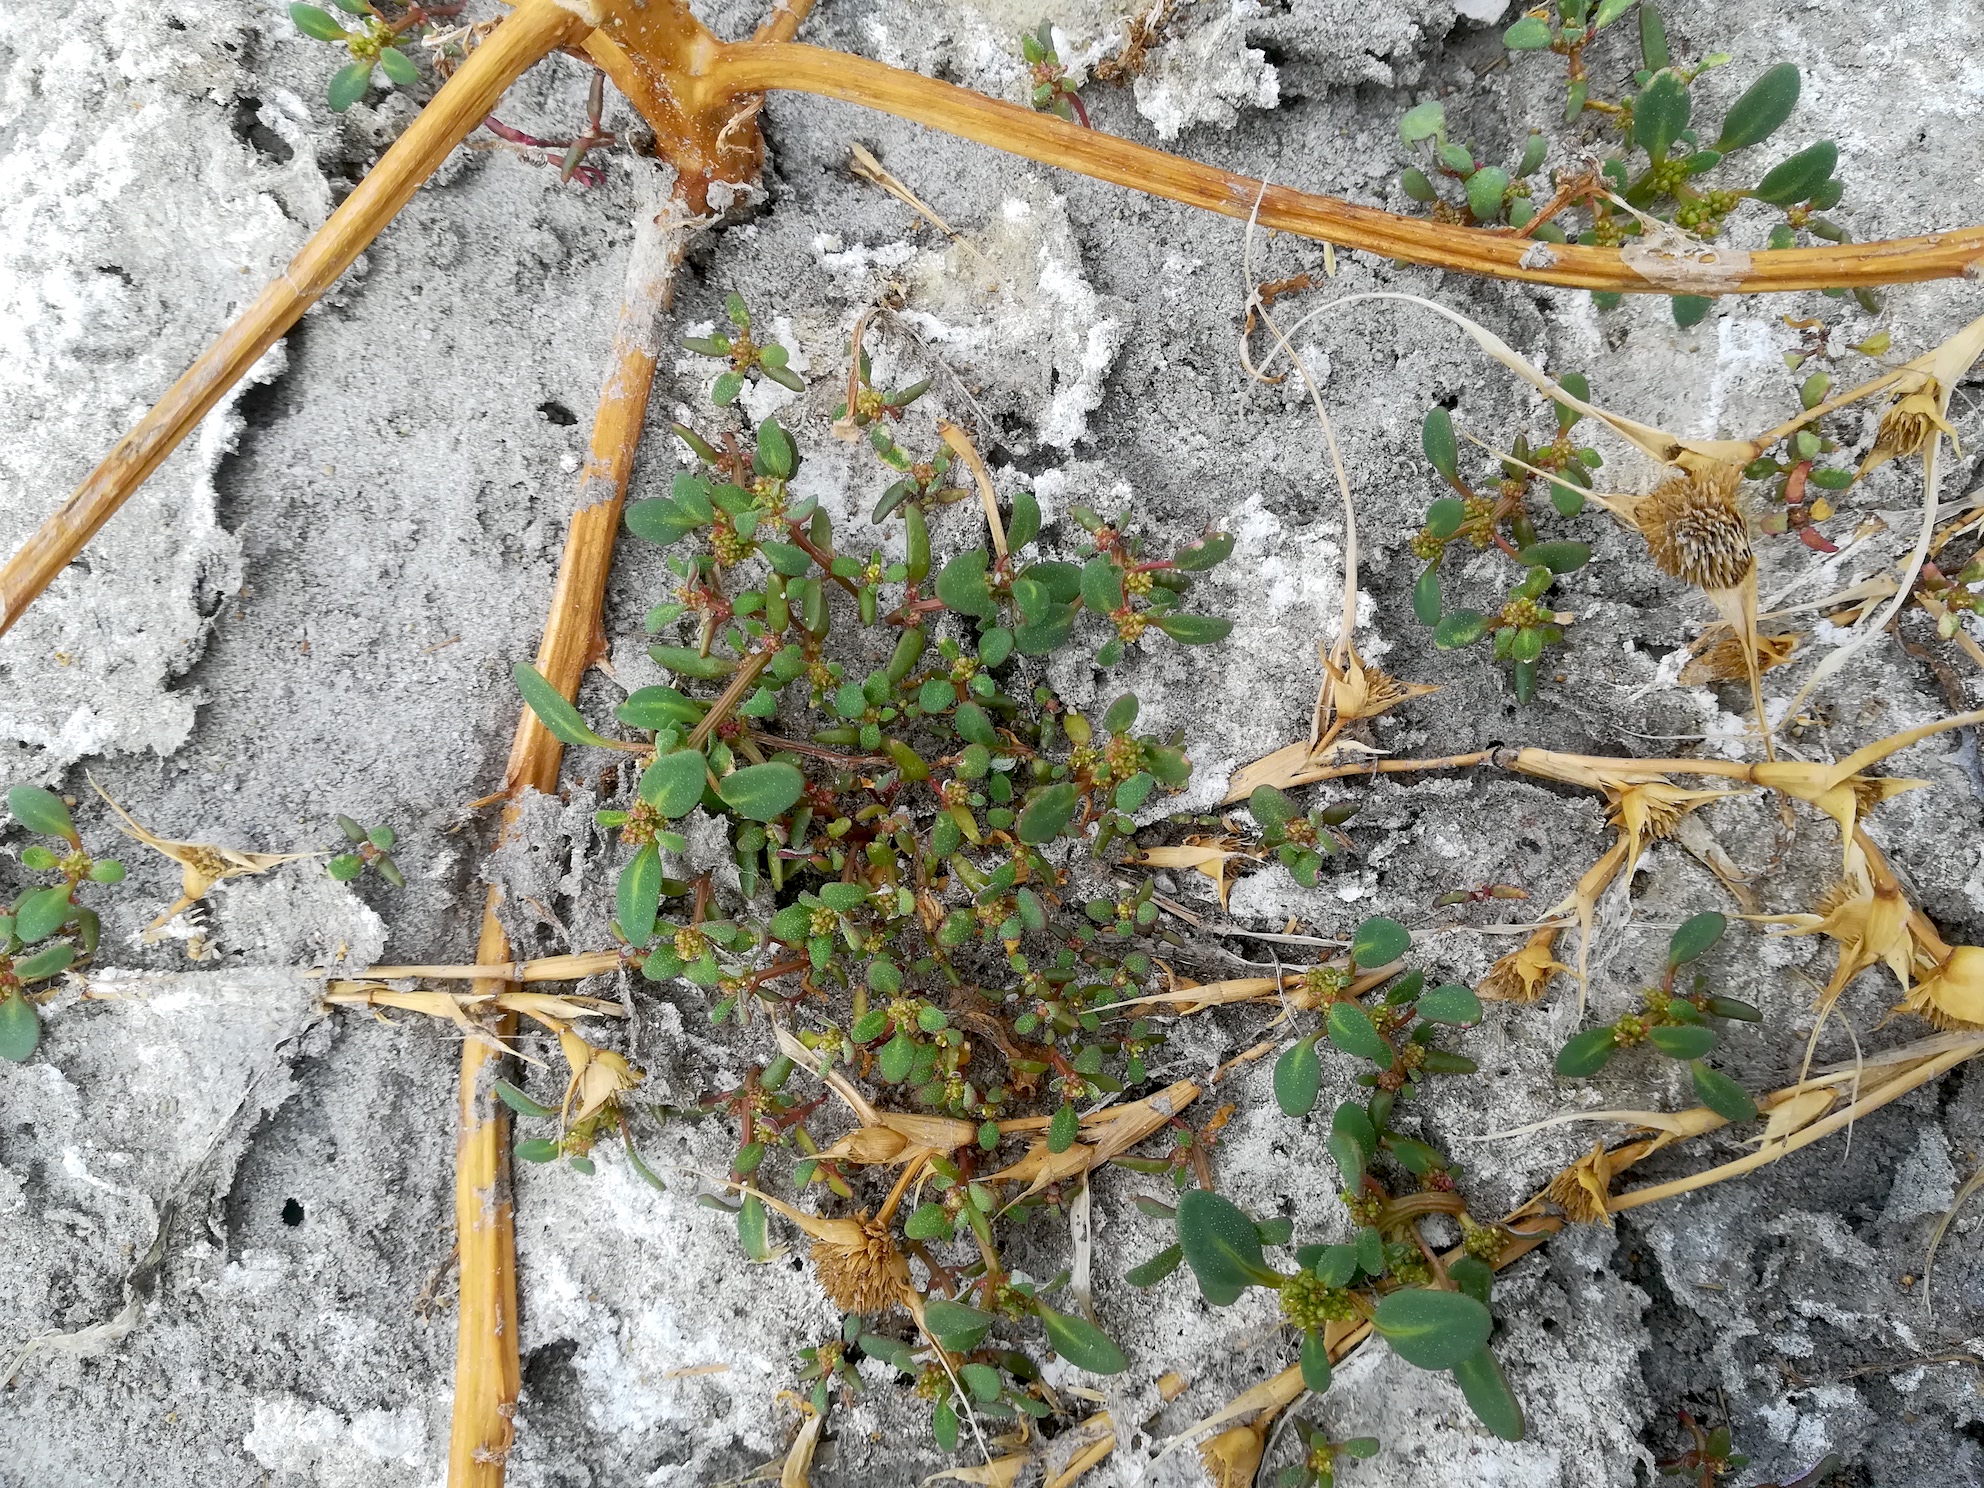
(292,1213)
(558,413)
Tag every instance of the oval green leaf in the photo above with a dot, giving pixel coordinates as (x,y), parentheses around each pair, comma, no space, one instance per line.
(1080,1342)
(45,963)
(1682,1041)
(41,811)
(1765,105)
(637,896)
(1587,1053)
(1436,438)
(1315,1362)
(1452,1004)
(1558,557)
(1721,1094)
(1695,937)
(552,709)
(1221,1245)
(961,585)
(1488,1395)
(40,914)
(1794,180)
(762,792)
(954,1325)
(1049,813)
(674,783)
(1379,942)
(1351,1031)
(20,1028)
(1154,1270)
(1298,1078)
(1433,1330)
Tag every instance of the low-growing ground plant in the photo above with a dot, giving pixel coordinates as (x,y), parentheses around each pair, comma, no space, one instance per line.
(47,930)
(907,804)
(1663,169)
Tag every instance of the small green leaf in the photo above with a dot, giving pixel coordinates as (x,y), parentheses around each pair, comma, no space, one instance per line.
(1121,715)
(1452,1004)
(776,456)
(638,895)
(1270,808)
(1102,586)
(1433,1330)
(931,1221)
(45,963)
(20,1028)
(1062,1130)
(1473,1276)
(1080,1342)
(762,792)
(961,585)
(954,1325)
(1488,1394)
(537,1150)
(1208,552)
(1683,1041)
(1558,557)
(1653,39)
(1351,1031)
(1298,1078)
(1800,177)
(348,85)
(674,783)
(1765,105)
(1484,193)
(1423,121)
(1695,938)
(897,1058)
(551,708)
(1221,1245)
(1049,813)
(1194,630)
(1412,181)
(1461,628)
(1587,1053)
(399,67)
(522,1104)
(40,914)
(42,811)
(1436,438)
(320,24)
(1154,1270)
(1689,309)
(1379,942)
(1426,596)
(1660,113)
(1315,1362)
(1721,1094)
(1530,34)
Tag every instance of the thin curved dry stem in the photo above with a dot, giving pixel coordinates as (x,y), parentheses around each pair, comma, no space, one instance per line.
(1963,1195)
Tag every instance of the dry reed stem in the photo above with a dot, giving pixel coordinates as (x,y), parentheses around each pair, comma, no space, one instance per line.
(729,71)
(536,29)
(487,1370)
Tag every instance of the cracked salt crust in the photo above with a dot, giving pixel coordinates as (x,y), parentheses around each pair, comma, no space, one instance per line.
(1207,76)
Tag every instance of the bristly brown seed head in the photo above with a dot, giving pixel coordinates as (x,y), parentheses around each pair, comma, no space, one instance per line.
(1694,530)
(862,1274)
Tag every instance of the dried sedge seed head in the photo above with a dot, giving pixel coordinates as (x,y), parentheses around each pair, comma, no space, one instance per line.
(1907,428)
(1952,996)
(1723,662)
(1582,1188)
(1694,530)
(1522,975)
(860,1274)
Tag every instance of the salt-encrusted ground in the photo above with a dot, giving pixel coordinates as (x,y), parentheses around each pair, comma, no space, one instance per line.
(314,609)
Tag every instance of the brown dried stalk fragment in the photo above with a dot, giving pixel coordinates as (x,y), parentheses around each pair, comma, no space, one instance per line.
(1206,855)
(1107,1133)
(201,864)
